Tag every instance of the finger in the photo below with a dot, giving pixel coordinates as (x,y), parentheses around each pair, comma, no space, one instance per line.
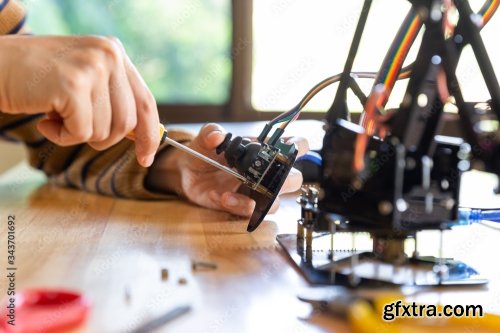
(301,143)
(233,203)
(210,136)
(75,123)
(147,138)
(102,116)
(293,182)
(237,204)
(123,109)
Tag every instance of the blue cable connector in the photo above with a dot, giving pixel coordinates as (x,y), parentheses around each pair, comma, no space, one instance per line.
(467,216)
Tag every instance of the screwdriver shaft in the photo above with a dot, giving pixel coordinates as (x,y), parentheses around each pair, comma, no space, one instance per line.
(204,158)
(165,138)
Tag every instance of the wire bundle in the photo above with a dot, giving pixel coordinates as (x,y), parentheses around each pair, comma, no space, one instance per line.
(391,71)
(392,64)
(385,79)
(487,11)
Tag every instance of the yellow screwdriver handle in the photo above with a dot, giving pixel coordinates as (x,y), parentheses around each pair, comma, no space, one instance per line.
(162,131)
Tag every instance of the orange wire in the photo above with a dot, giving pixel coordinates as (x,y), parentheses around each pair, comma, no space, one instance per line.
(401,53)
(377,100)
(490,11)
(362,138)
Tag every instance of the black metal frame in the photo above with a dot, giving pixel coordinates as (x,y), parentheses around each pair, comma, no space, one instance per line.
(396,199)
(414,173)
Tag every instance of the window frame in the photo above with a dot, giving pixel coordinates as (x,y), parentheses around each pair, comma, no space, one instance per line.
(239,105)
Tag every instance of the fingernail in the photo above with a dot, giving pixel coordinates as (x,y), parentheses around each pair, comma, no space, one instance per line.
(232,201)
(148,160)
(214,133)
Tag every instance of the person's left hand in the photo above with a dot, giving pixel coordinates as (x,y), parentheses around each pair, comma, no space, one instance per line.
(204,184)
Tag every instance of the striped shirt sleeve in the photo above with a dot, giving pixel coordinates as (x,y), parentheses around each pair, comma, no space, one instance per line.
(12,17)
(113,172)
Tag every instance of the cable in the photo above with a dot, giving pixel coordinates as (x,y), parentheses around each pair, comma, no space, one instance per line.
(405,38)
(391,65)
(384,83)
(467,216)
(490,215)
(408,37)
(488,10)
(292,114)
(388,74)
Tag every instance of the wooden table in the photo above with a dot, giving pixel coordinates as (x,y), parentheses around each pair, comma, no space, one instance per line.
(103,246)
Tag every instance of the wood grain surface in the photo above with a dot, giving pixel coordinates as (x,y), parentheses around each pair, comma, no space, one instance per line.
(103,247)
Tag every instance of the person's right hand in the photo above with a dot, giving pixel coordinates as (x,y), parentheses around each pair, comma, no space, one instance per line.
(87,86)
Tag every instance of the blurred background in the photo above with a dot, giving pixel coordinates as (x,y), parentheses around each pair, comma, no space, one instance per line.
(175,44)
(185,48)
(244,60)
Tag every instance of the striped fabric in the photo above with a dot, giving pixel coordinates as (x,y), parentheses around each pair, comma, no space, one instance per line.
(113,172)
(12,17)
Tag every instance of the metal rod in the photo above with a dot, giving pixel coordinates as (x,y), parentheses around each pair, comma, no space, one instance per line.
(163,319)
(339,107)
(415,248)
(204,158)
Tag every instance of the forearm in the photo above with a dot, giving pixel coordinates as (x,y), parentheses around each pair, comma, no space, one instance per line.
(164,176)
(113,172)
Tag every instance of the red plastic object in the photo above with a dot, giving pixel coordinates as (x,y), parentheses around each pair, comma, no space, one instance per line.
(45,311)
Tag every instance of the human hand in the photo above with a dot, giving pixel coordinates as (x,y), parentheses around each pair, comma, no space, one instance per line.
(87,86)
(205,185)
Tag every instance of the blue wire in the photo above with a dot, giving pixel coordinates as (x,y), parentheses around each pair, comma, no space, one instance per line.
(491,215)
(467,216)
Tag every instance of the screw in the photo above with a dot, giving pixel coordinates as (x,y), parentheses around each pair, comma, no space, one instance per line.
(164,274)
(197,265)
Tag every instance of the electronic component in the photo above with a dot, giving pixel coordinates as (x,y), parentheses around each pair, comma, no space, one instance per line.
(265,167)
(393,174)
(261,166)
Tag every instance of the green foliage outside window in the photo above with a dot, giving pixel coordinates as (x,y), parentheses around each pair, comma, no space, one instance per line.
(181,47)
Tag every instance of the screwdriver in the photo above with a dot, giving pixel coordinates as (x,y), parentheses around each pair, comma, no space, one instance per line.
(165,138)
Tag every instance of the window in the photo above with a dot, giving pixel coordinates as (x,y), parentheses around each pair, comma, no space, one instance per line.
(299,43)
(181,47)
(221,60)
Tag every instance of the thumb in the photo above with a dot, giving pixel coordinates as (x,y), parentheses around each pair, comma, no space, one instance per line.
(210,136)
